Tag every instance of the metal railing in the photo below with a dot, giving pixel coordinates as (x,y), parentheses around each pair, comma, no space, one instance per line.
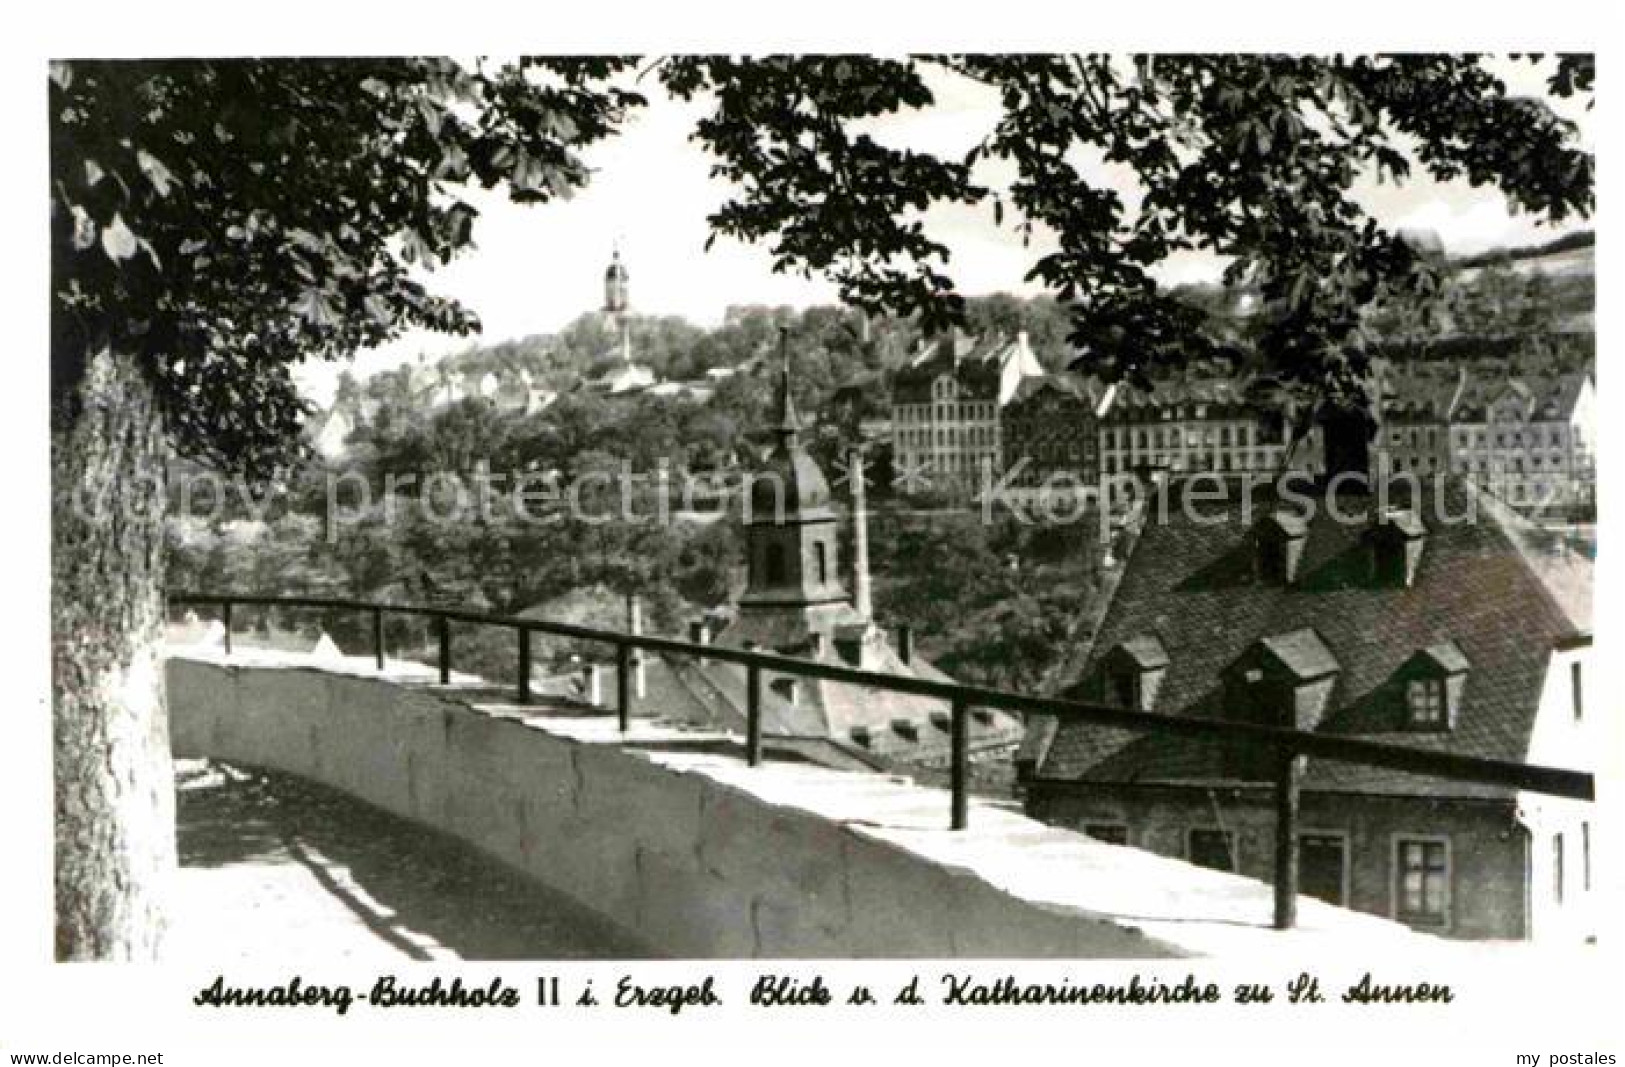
(1290,747)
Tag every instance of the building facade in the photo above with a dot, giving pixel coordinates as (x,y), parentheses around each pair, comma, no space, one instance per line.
(946,406)
(1199,425)
(1050,439)
(1529,441)
(1420,620)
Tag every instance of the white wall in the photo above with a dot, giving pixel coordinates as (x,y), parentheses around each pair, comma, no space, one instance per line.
(702,856)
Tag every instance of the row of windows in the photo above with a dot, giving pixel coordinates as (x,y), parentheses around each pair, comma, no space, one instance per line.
(928,463)
(1480,438)
(943,438)
(1049,450)
(967,411)
(1515,463)
(1422,869)
(1225,461)
(1416,436)
(1532,491)
(1171,436)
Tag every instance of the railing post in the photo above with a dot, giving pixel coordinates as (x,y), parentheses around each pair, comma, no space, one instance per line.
(378,636)
(443,632)
(753,715)
(524,665)
(623,685)
(959,765)
(225,613)
(1288,777)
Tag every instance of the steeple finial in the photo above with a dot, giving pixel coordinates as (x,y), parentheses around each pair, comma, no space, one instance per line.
(789,422)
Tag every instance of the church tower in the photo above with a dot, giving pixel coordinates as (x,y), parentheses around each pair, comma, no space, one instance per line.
(794,586)
(618,302)
(617,298)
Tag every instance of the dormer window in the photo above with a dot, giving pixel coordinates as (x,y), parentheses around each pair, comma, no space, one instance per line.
(1433,681)
(1134,670)
(1425,702)
(1396,540)
(1279,544)
(1283,680)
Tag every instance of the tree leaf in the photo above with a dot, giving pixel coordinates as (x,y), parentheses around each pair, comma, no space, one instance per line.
(316,308)
(117,240)
(84,228)
(158,174)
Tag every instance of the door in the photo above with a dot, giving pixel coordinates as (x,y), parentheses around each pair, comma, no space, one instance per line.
(1322,864)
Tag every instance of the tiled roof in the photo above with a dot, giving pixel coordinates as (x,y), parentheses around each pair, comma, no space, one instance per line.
(1447,656)
(976,365)
(1403,521)
(1303,653)
(1226,391)
(1086,390)
(868,724)
(1542,398)
(1289,523)
(1146,651)
(1190,581)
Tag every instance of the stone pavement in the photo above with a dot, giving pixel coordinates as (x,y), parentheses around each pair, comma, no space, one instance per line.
(275,869)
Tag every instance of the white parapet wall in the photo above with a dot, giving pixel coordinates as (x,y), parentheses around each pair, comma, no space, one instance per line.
(699,855)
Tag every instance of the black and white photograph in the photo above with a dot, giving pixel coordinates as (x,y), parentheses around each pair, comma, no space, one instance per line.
(713,538)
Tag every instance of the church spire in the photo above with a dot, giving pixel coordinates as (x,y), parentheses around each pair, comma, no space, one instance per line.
(789,422)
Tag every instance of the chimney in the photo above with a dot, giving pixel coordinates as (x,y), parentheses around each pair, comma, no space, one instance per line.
(861,597)
(634,626)
(592,687)
(905,643)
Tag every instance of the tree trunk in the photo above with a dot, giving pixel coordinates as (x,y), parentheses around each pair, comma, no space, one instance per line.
(115,799)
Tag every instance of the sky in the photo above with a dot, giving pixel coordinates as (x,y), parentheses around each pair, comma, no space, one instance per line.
(536,268)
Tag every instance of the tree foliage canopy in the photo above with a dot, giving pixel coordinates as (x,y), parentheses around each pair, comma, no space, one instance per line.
(1254,158)
(224,220)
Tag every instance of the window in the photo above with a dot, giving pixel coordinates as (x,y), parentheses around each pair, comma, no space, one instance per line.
(1126,688)
(1112,833)
(775,564)
(1574,685)
(1422,874)
(823,562)
(1424,699)
(1212,848)
(1323,866)
(1557,868)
